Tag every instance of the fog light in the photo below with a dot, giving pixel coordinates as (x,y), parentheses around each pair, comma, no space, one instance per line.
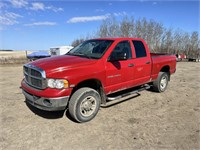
(47,102)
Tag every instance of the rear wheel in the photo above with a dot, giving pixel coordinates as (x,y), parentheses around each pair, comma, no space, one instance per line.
(84,104)
(161,83)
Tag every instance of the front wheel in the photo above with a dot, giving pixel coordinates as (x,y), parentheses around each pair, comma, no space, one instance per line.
(160,84)
(84,104)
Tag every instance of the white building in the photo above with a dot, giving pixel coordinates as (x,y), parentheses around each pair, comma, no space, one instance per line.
(60,50)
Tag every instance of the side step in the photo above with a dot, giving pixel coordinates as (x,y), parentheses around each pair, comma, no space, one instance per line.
(124,94)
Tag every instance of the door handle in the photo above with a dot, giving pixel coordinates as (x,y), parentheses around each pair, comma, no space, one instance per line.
(130,65)
(148,62)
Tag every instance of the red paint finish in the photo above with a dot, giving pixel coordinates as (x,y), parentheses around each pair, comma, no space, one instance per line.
(113,75)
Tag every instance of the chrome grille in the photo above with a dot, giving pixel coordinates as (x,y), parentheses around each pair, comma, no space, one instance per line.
(35,73)
(35,76)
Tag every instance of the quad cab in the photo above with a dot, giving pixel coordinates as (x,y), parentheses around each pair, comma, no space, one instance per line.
(85,78)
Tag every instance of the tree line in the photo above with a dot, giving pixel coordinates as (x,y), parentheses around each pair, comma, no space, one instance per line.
(159,38)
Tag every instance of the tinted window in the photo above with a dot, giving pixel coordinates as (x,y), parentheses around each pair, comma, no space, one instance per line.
(140,50)
(122,47)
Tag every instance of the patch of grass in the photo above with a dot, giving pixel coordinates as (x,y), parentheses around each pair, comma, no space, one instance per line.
(13,60)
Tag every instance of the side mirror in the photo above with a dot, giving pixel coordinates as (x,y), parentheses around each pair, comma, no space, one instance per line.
(118,57)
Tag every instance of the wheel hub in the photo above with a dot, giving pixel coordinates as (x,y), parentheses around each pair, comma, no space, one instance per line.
(163,82)
(88,106)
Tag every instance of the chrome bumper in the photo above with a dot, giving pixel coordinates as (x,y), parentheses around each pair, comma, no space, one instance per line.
(48,104)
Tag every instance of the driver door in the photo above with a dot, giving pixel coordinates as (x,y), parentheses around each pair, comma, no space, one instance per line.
(119,68)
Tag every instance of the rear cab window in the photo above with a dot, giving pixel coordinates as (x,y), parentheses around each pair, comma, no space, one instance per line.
(140,50)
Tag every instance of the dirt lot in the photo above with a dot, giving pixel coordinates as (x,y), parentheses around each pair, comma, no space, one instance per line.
(170,120)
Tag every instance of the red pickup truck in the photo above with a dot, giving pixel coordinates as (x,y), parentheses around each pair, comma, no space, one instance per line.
(83,79)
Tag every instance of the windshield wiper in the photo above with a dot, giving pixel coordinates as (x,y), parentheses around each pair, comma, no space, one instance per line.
(80,54)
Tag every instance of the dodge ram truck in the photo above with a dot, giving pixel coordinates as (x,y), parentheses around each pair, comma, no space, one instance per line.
(83,79)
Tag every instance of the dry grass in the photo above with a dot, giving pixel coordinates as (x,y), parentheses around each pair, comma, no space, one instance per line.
(13,57)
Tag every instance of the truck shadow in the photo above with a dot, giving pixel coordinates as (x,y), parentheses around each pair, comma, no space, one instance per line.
(46,114)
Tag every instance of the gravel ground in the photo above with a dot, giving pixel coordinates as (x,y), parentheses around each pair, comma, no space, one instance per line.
(169,120)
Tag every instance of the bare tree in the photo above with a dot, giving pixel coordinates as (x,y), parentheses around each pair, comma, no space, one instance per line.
(167,41)
(138,29)
(177,41)
(126,27)
(158,33)
(103,30)
(194,45)
(184,43)
(77,42)
(159,38)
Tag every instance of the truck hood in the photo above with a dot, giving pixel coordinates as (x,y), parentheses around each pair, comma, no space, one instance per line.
(61,63)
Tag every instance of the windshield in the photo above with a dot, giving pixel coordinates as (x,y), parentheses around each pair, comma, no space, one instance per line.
(91,48)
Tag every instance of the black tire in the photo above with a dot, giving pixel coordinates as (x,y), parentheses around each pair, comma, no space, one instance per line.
(84,104)
(160,84)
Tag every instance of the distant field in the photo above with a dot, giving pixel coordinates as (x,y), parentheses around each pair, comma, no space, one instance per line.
(8,54)
(11,57)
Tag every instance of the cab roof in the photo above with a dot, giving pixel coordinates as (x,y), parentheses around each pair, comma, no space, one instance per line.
(118,38)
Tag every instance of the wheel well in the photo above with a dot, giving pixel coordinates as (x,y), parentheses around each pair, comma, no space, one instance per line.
(94,84)
(91,83)
(167,70)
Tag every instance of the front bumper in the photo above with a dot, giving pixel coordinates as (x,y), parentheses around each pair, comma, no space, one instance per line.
(48,104)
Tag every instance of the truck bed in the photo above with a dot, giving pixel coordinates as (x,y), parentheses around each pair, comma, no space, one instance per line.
(158,54)
(161,59)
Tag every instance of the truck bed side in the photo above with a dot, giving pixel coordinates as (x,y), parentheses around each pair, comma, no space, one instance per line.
(162,62)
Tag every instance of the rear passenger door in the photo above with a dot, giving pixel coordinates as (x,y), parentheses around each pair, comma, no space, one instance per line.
(142,63)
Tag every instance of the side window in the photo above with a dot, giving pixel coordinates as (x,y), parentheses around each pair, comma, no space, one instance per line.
(140,50)
(122,48)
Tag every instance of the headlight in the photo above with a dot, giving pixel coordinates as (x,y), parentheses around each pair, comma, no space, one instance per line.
(57,83)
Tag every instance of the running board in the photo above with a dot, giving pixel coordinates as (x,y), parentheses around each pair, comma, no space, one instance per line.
(126,96)
(145,87)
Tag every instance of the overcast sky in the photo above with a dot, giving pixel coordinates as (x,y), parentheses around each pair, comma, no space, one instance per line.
(39,25)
